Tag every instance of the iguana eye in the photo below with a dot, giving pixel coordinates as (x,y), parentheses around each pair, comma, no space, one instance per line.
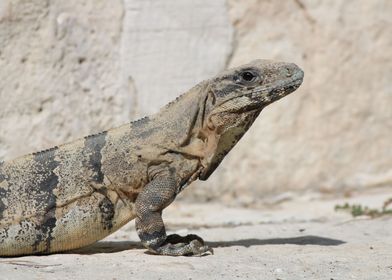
(248,76)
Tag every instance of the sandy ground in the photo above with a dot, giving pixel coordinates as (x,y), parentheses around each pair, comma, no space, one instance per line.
(300,239)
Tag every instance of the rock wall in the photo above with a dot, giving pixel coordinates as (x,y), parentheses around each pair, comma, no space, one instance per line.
(71,68)
(60,73)
(334,134)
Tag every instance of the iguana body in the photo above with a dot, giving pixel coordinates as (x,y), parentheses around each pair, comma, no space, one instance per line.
(75,194)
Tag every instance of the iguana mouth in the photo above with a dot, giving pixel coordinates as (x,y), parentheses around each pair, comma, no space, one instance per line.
(276,90)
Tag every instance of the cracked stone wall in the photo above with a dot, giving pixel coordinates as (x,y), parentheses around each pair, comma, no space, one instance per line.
(71,68)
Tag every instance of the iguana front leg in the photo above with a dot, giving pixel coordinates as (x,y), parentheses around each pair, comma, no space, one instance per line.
(157,195)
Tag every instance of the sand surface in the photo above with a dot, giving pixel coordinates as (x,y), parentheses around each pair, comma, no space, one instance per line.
(299,239)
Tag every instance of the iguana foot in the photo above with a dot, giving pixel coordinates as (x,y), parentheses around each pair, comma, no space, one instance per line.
(155,196)
(190,245)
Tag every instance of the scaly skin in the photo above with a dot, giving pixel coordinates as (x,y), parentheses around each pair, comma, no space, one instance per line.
(77,193)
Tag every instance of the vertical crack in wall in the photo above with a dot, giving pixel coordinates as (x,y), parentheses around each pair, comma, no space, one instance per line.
(135,100)
(234,42)
(305,11)
(128,82)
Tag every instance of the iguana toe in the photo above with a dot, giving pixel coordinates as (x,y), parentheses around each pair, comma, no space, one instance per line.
(190,245)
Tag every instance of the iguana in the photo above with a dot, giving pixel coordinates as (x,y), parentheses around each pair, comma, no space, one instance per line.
(75,194)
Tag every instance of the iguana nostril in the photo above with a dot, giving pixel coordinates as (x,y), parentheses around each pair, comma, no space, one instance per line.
(289,72)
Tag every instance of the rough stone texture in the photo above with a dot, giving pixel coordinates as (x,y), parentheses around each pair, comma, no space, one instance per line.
(288,243)
(60,72)
(70,68)
(334,133)
(168,46)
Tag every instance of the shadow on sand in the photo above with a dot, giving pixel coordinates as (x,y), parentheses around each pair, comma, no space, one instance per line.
(118,246)
(301,240)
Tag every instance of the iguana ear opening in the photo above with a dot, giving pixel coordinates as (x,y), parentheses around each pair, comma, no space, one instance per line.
(206,104)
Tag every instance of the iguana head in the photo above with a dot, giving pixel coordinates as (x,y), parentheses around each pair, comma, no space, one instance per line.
(235,98)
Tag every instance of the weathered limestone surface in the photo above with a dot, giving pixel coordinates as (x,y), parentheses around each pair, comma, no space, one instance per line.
(334,133)
(168,46)
(60,72)
(70,68)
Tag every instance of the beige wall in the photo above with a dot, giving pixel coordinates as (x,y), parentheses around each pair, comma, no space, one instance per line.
(71,68)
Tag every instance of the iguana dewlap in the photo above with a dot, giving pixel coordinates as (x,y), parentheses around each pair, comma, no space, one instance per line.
(77,193)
